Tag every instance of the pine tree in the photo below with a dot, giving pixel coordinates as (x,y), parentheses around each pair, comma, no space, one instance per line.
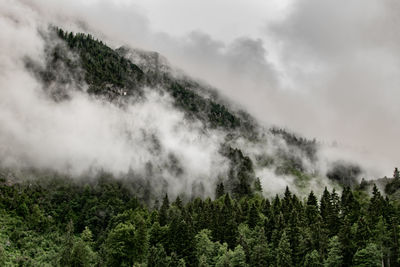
(253,216)
(220,191)
(180,238)
(178,203)
(120,245)
(226,226)
(362,233)
(66,251)
(157,257)
(260,254)
(206,250)
(312,259)
(376,206)
(284,252)
(333,216)
(325,206)
(369,256)
(335,257)
(164,211)
(312,213)
(257,185)
(350,206)
(238,257)
(141,240)
(81,254)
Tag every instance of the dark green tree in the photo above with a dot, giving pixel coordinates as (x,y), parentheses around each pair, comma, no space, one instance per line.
(312,259)
(369,256)
(68,245)
(334,258)
(119,247)
(158,257)
(284,252)
(257,185)
(164,211)
(220,191)
(253,216)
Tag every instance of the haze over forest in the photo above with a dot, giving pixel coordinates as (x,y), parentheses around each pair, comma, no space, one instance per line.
(283,65)
(175,133)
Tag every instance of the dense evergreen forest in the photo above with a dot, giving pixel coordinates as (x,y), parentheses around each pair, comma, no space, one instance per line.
(56,221)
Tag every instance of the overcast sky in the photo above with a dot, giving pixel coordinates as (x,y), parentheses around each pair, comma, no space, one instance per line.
(327,69)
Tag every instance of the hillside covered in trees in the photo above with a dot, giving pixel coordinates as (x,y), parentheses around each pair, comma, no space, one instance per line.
(120,76)
(164,213)
(60,222)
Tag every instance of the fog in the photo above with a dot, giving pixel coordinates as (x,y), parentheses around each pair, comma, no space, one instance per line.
(288,62)
(84,134)
(324,69)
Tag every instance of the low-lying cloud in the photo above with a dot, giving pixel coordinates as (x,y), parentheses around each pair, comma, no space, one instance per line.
(328,73)
(84,134)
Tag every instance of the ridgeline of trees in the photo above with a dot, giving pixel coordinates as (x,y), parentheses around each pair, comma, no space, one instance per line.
(109,73)
(103,66)
(61,222)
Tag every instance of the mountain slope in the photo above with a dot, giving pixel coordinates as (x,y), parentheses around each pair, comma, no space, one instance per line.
(234,149)
(121,156)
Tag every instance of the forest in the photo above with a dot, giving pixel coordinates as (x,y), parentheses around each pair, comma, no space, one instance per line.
(58,221)
(53,219)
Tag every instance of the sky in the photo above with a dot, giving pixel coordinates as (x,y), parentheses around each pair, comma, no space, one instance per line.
(335,63)
(325,69)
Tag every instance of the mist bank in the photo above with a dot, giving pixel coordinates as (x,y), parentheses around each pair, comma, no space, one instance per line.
(302,62)
(166,131)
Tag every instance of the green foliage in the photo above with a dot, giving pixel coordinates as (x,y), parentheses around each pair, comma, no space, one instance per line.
(109,73)
(312,259)
(56,221)
(369,256)
(241,173)
(250,231)
(335,257)
(214,114)
(308,147)
(238,257)
(284,252)
(345,173)
(394,184)
(119,247)
(103,66)
(257,185)
(220,190)
(82,254)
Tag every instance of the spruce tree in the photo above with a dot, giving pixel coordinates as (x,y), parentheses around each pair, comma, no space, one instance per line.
(158,257)
(369,256)
(238,257)
(335,258)
(220,190)
(66,251)
(284,252)
(312,259)
(253,216)
(257,185)
(164,211)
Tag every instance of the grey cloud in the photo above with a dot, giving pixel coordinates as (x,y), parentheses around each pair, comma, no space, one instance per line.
(343,57)
(341,60)
(84,134)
